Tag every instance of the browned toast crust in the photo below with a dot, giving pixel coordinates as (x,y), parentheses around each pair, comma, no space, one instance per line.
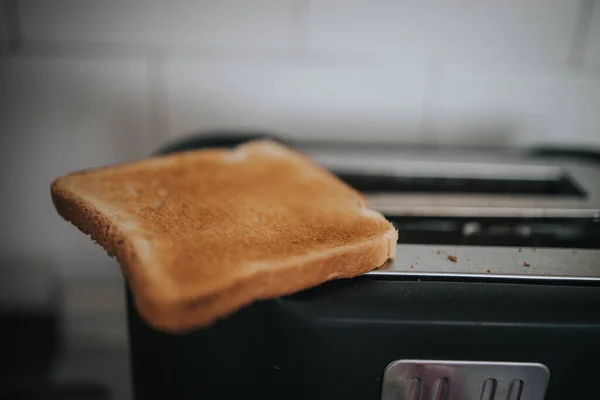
(201,234)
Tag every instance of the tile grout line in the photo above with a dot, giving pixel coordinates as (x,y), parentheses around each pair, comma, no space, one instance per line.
(215,54)
(108,50)
(580,37)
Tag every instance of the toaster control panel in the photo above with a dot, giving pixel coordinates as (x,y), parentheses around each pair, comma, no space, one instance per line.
(464,380)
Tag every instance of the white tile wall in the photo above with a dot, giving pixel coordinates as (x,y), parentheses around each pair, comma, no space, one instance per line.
(498,107)
(261,23)
(592,53)
(57,116)
(297,100)
(536,30)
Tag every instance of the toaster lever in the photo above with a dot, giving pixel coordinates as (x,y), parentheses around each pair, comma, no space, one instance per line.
(464,380)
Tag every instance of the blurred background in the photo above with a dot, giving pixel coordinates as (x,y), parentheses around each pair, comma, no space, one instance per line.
(85,84)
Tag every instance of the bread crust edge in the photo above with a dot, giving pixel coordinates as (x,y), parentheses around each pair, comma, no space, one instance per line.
(159,306)
(346,262)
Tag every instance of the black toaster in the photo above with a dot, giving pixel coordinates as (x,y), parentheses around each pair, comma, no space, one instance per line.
(494,293)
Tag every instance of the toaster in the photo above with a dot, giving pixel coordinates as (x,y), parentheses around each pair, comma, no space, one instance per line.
(494,292)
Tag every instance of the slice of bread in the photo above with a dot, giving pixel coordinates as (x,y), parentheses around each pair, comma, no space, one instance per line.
(202,233)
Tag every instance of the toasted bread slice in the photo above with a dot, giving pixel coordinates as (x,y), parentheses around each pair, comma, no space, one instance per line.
(200,234)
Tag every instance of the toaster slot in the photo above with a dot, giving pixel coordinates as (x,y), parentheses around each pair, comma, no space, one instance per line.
(562,185)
